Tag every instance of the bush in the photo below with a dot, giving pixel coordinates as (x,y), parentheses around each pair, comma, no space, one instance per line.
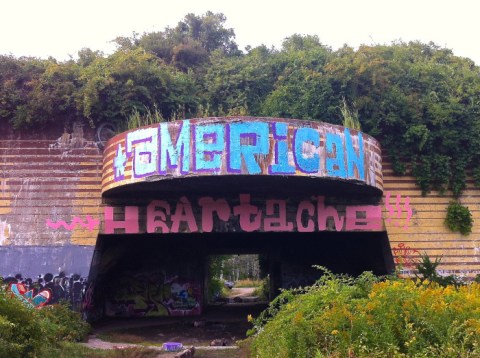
(459,218)
(29,332)
(21,333)
(215,289)
(366,317)
(63,323)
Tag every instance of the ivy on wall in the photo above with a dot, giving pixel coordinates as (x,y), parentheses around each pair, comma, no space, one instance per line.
(459,218)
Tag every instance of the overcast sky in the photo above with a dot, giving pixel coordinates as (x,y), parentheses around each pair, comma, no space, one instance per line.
(60,28)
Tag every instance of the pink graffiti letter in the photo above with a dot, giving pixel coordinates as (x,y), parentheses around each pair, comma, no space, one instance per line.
(156,219)
(277,223)
(130,224)
(184,212)
(364,218)
(209,206)
(245,210)
(310,209)
(324,212)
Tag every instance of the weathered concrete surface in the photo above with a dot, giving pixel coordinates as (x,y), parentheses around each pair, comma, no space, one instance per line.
(415,225)
(49,188)
(32,261)
(242,146)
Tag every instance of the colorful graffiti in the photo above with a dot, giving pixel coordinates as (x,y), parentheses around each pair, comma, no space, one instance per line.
(89,223)
(396,213)
(27,296)
(153,294)
(271,215)
(235,147)
(48,289)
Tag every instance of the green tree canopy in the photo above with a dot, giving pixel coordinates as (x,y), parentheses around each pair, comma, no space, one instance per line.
(420,100)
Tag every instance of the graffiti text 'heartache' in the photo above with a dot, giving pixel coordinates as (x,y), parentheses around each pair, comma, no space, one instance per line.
(271,215)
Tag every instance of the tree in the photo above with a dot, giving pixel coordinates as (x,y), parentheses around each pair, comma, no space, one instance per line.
(129,80)
(190,42)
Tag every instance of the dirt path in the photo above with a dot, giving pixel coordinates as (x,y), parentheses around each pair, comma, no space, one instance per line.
(241,292)
(225,323)
(96,343)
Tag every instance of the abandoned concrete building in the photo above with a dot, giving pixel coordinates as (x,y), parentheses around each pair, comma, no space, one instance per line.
(125,227)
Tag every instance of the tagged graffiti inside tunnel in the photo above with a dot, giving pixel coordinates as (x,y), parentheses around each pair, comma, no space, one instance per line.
(146,275)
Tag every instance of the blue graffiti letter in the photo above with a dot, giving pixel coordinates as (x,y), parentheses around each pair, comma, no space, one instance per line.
(209,146)
(246,140)
(352,157)
(307,162)
(335,161)
(145,142)
(281,166)
(175,154)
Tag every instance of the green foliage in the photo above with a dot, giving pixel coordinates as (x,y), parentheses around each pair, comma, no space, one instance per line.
(459,218)
(215,288)
(136,119)
(130,80)
(418,99)
(368,317)
(68,349)
(190,42)
(476,176)
(29,332)
(350,115)
(427,270)
(64,324)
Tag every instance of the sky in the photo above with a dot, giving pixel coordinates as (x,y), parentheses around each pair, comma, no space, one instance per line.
(60,28)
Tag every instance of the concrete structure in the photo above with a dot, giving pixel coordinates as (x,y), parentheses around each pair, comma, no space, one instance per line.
(129,227)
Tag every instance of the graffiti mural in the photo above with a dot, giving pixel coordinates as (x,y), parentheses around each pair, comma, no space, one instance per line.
(267,215)
(244,146)
(202,147)
(153,294)
(48,289)
(28,297)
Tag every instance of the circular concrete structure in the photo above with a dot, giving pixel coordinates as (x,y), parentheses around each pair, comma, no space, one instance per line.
(247,147)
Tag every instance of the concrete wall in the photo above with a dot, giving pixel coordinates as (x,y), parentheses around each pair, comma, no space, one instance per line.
(415,225)
(51,213)
(50,201)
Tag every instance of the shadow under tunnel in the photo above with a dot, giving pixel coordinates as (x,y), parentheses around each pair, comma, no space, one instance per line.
(165,274)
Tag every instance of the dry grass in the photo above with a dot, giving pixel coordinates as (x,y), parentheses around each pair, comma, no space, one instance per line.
(248,283)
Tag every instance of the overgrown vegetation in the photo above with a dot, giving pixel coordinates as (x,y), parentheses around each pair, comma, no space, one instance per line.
(340,316)
(420,100)
(459,218)
(29,332)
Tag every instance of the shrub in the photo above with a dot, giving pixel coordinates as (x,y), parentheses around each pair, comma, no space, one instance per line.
(30,332)
(459,218)
(367,317)
(21,333)
(64,324)
(215,289)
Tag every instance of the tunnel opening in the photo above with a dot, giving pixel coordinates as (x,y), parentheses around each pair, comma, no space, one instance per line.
(152,275)
(234,278)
